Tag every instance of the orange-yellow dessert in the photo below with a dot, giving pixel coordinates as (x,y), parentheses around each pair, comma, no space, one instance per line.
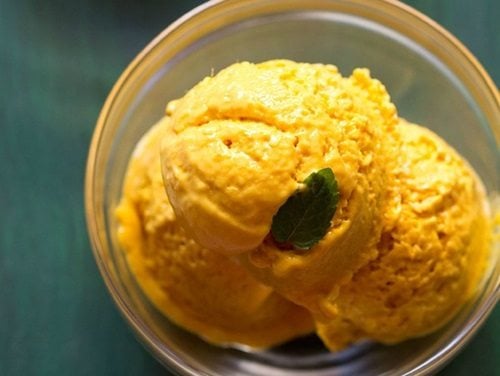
(240,143)
(200,290)
(404,250)
(432,250)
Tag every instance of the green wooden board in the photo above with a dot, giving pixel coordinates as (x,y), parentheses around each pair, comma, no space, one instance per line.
(58,61)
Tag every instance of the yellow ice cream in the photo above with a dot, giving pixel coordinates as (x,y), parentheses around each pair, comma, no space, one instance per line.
(431,253)
(240,142)
(198,289)
(405,248)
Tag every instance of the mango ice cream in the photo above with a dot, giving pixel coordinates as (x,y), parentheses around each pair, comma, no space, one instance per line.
(241,142)
(431,251)
(404,249)
(200,290)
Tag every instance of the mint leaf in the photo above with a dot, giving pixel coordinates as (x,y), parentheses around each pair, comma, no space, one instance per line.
(304,219)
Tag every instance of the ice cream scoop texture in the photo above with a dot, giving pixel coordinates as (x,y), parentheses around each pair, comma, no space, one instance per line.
(404,250)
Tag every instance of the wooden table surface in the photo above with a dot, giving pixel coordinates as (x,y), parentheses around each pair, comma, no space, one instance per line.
(58,61)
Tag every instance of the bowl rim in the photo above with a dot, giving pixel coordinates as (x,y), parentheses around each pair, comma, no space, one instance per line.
(443,356)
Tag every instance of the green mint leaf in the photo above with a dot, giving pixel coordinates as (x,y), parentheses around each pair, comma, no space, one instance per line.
(304,219)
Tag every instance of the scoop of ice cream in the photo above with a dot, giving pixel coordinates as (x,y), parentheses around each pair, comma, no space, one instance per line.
(404,250)
(431,253)
(240,143)
(242,140)
(200,290)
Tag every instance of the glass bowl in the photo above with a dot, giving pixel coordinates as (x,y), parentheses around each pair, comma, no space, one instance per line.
(432,79)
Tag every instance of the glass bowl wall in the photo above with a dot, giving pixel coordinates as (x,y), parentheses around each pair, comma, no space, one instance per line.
(432,79)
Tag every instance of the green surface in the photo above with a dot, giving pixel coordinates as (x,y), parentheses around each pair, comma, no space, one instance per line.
(58,61)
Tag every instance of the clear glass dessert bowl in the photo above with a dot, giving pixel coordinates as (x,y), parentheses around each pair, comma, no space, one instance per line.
(432,79)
